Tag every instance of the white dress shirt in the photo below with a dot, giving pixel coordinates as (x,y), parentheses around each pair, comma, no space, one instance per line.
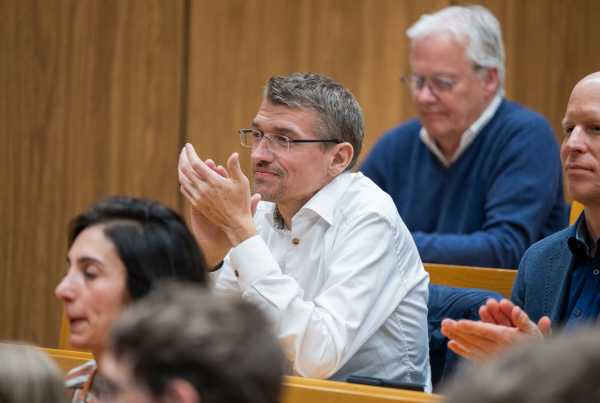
(345,286)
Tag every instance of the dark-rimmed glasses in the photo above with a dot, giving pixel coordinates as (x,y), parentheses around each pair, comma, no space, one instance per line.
(250,138)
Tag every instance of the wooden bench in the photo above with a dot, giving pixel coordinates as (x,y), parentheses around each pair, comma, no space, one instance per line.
(295,389)
(67,359)
(499,280)
(303,390)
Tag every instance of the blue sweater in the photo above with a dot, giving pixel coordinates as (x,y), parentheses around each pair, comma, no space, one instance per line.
(501,195)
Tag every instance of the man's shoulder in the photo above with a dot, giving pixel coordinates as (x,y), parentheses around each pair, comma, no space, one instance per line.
(393,145)
(406,131)
(393,148)
(363,196)
(550,244)
(516,114)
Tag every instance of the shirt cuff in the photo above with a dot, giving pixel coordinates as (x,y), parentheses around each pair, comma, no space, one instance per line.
(252,260)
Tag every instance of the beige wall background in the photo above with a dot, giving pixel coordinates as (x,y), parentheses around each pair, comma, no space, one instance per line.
(98,96)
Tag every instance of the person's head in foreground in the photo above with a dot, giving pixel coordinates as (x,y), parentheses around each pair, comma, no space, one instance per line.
(182,344)
(308,130)
(27,375)
(118,250)
(563,369)
(457,67)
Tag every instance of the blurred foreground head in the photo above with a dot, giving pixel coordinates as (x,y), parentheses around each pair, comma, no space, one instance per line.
(183,343)
(27,375)
(563,369)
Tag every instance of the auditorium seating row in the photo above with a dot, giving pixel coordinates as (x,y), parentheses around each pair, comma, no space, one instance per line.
(301,390)
(295,389)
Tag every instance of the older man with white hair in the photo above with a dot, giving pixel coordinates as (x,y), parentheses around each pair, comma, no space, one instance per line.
(476,178)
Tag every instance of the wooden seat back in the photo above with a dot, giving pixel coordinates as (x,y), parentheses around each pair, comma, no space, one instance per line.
(295,389)
(499,280)
(303,390)
(67,359)
(576,210)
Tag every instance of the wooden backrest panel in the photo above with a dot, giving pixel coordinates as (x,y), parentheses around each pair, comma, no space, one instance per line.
(295,389)
(576,210)
(499,280)
(67,359)
(303,390)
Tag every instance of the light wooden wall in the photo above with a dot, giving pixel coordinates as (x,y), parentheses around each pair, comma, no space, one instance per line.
(90,106)
(99,95)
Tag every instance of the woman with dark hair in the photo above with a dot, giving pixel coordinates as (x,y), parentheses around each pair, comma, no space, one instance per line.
(118,251)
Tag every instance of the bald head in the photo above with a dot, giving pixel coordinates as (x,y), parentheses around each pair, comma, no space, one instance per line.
(580,150)
(585,95)
(590,77)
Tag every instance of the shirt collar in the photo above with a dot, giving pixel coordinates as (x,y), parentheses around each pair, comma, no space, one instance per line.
(325,200)
(322,203)
(581,244)
(467,137)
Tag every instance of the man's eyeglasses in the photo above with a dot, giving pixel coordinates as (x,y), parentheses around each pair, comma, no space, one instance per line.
(437,84)
(250,138)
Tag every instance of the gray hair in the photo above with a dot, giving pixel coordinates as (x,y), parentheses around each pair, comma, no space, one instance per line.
(29,375)
(475,24)
(339,112)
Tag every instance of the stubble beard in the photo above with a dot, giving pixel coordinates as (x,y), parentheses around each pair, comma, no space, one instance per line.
(271,196)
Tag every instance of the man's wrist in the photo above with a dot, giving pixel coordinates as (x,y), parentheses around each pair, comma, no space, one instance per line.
(239,235)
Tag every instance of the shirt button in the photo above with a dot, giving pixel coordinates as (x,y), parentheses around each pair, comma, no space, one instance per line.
(596,272)
(237,274)
(296,241)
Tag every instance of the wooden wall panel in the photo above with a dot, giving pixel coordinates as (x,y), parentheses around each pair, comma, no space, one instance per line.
(550,45)
(90,106)
(99,95)
(236,45)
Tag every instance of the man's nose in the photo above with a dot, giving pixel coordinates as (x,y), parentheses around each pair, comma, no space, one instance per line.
(261,150)
(424,94)
(576,141)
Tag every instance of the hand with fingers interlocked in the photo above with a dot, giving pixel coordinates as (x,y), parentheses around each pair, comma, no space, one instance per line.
(502,324)
(222,206)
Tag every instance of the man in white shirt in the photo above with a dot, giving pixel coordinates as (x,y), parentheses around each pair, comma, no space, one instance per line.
(326,255)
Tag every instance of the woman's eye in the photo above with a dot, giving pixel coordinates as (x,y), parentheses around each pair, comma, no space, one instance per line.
(90,272)
(567,130)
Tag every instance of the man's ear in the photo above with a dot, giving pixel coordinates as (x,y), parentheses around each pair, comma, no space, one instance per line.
(340,158)
(491,81)
(181,391)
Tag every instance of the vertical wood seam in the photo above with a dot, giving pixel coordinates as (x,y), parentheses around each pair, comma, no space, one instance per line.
(184,90)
